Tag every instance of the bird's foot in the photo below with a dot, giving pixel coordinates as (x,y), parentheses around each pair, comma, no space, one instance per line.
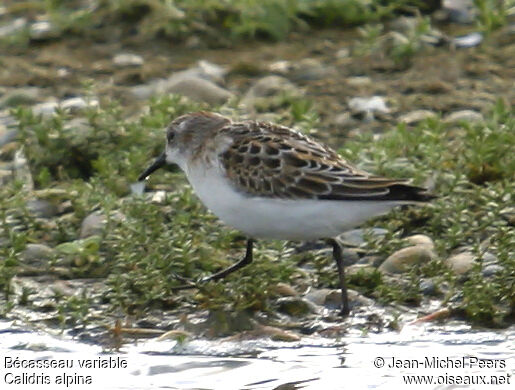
(344,312)
(188,283)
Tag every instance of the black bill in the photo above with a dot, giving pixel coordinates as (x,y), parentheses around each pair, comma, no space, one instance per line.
(158,163)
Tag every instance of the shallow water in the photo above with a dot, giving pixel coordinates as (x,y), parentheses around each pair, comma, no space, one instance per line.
(313,363)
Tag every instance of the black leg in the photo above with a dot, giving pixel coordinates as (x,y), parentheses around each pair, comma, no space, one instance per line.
(338,257)
(219,275)
(235,267)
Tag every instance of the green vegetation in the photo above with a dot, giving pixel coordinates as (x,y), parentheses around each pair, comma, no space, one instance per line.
(86,162)
(473,167)
(146,243)
(493,14)
(222,22)
(224,19)
(401,48)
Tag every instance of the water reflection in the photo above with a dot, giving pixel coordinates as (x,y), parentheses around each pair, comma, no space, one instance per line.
(355,362)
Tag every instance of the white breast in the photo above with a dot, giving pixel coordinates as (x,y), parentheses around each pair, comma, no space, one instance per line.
(260,217)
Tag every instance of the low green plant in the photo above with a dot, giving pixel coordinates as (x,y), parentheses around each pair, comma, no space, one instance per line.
(473,169)
(400,47)
(106,147)
(402,51)
(74,310)
(146,244)
(370,38)
(493,14)
(214,20)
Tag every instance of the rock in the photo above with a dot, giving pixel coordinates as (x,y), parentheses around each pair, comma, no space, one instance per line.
(42,31)
(13,27)
(374,261)
(282,67)
(469,40)
(310,69)
(356,237)
(7,152)
(435,38)
(344,120)
(357,268)
(369,106)
(361,81)
(5,176)
(350,256)
(79,252)
(7,120)
(193,42)
(92,225)
(332,298)
(63,73)
(36,255)
(270,86)
(159,197)
(204,69)
(54,193)
(416,116)
(285,290)
(295,306)
(428,287)
(393,39)
(457,11)
(198,89)
(8,136)
(265,90)
(491,270)
(508,214)
(146,91)
(21,96)
(275,334)
(404,24)
(45,109)
(210,71)
(318,296)
(405,259)
(42,208)
(344,52)
(124,60)
(461,263)
(22,170)
(77,104)
(404,29)
(422,240)
(197,83)
(464,116)
(489,258)
(72,105)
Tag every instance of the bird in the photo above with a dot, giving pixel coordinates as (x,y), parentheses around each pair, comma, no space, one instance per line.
(272,182)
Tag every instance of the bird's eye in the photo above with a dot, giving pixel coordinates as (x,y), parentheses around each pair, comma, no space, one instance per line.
(170,136)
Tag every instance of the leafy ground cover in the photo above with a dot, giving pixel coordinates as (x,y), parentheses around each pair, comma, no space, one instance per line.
(86,162)
(145,243)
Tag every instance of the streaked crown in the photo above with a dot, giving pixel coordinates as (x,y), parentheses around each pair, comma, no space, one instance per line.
(190,131)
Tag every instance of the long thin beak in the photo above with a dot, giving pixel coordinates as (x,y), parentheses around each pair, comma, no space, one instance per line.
(158,163)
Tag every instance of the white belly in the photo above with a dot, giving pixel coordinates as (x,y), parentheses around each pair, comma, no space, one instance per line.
(260,217)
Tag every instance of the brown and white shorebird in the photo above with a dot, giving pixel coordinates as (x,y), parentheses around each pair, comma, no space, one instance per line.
(269,181)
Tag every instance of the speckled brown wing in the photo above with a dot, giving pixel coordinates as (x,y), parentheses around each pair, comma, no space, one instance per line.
(274,161)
